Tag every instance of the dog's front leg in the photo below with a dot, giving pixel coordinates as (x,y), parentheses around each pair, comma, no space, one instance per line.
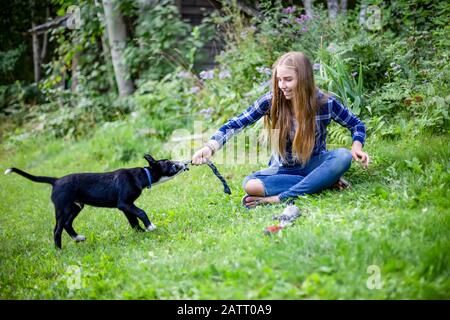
(133,220)
(135,211)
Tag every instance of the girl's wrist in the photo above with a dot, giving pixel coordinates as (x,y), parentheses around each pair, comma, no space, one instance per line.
(211,146)
(357,145)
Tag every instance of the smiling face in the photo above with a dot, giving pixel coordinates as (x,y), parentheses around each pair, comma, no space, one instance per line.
(287,81)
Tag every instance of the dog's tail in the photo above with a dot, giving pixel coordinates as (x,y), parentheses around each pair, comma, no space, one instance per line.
(49,180)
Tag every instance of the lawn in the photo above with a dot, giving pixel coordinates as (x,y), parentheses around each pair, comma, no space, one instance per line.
(386,238)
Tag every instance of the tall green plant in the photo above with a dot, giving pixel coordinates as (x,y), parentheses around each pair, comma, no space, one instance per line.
(339,81)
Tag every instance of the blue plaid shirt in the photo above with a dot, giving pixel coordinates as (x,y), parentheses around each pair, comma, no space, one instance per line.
(332,109)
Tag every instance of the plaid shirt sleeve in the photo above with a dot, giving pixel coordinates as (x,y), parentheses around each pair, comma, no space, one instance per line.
(344,117)
(235,125)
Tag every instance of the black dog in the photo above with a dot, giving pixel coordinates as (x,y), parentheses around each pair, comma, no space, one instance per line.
(117,189)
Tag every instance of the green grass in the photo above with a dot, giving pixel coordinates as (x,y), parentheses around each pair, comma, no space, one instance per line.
(207,246)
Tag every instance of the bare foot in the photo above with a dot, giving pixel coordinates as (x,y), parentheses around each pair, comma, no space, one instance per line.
(253,201)
(340,185)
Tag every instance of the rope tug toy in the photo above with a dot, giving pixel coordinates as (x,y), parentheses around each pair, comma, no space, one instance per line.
(216,172)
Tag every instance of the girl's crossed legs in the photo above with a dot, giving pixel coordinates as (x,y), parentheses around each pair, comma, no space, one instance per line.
(276,184)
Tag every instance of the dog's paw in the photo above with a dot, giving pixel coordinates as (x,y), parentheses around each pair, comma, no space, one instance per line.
(79,238)
(151,227)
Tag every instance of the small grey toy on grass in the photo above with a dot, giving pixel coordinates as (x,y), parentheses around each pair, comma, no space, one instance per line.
(286,218)
(289,215)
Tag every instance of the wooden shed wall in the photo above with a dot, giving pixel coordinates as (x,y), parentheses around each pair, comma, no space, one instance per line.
(194,11)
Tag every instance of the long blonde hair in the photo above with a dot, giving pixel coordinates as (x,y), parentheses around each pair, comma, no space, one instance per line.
(303,107)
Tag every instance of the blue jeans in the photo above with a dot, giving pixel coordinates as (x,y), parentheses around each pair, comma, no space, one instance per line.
(321,171)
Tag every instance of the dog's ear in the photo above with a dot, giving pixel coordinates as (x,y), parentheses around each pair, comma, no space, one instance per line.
(150,160)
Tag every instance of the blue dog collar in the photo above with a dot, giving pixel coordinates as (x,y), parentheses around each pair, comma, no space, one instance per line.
(149,177)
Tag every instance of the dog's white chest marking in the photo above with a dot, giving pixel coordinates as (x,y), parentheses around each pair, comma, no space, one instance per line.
(162,180)
(165,178)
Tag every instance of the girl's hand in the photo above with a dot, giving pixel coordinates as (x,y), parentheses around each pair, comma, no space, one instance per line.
(201,156)
(359,155)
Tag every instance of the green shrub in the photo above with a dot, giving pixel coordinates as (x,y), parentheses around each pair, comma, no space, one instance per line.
(336,78)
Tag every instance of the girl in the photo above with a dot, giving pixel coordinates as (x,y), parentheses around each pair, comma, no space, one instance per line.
(296,114)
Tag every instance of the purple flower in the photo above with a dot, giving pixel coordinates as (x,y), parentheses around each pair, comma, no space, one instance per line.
(184,74)
(395,66)
(264,70)
(289,10)
(316,66)
(194,90)
(332,47)
(206,112)
(305,17)
(304,29)
(224,74)
(302,18)
(207,74)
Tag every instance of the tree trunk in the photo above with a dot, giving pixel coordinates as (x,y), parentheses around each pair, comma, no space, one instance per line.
(75,60)
(343,7)
(308,7)
(35,43)
(36,56)
(117,36)
(45,39)
(105,50)
(44,46)
(332,9)
(362,13)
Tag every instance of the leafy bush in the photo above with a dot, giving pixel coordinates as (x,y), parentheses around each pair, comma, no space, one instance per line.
(286,29)
(404,16)
(171,100)
(157,32)
(8,61)
(72,118)
(334,75)
(17,102)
